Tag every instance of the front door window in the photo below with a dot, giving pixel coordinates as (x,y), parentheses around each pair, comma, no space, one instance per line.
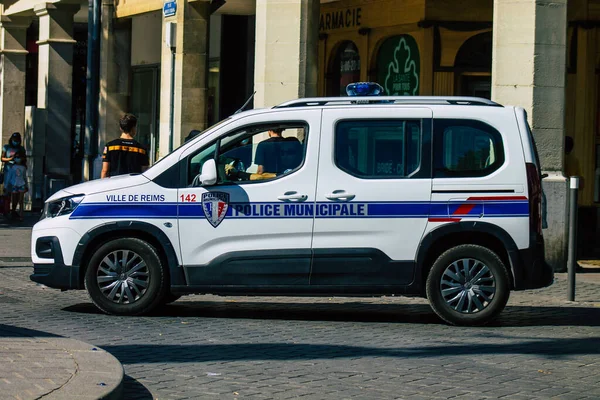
(254,154)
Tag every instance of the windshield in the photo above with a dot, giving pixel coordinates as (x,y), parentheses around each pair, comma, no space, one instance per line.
(193,138)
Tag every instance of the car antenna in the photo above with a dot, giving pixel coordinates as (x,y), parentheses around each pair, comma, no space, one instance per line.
(245,104)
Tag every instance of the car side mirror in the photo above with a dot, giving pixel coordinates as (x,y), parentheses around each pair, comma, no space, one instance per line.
(208,176)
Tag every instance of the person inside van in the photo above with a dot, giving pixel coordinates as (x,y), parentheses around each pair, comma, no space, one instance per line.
(277,154)
(267,153)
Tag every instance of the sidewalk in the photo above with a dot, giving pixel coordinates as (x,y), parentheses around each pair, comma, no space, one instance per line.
(15,241)
(38,365)
(35,365)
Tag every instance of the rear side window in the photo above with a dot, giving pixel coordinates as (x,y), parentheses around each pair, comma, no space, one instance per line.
(378,149)
(466,148)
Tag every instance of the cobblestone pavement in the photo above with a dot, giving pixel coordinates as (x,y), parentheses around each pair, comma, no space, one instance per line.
(234,347)
(31,367)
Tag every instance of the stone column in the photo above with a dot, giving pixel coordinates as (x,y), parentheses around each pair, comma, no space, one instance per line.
(115,68)
(55,80)
(13,33)
(191,74)
(529,70)
(287,34)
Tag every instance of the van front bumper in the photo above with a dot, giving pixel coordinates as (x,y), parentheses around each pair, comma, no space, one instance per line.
(56,275)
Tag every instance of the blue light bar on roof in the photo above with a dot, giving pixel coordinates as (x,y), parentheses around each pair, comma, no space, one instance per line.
(364,89)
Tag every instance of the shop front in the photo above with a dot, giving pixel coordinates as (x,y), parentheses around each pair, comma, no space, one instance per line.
(409,47)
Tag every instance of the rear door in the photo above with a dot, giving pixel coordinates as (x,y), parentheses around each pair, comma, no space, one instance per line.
(373,195)
(478,170)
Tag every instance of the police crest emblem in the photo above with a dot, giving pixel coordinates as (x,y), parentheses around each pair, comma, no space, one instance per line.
(215,206)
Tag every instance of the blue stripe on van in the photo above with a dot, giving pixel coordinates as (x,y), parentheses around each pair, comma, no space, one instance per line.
(488,207)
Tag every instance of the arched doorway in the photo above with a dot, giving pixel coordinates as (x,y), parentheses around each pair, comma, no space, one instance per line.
(473,66)
(343,69)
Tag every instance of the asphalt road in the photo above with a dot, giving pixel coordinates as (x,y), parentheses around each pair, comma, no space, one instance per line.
(206,346)
(324,348)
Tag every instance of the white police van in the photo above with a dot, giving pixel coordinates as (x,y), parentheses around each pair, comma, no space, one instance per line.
(356,196)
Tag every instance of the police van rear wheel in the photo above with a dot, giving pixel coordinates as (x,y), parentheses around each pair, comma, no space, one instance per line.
(125,277)
(468,285)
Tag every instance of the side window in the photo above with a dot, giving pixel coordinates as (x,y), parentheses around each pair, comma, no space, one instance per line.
(378,149)
(256,153)
(466,148)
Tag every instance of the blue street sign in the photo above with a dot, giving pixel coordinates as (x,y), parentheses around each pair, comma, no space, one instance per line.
(170,8)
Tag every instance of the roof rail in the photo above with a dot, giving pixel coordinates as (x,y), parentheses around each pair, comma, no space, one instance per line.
(360,100)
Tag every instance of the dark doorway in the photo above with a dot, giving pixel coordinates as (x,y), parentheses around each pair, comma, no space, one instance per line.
(236,64)
(473,65)
(145,106)
(343,69)
(78,100)
(31,61)
(475,85)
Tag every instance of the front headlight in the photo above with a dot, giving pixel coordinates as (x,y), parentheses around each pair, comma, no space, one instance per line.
(64,206)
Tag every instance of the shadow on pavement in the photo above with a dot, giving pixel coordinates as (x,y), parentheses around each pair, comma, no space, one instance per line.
(588,270)
(9,331)
(518,316)
(156,353)
(133,390)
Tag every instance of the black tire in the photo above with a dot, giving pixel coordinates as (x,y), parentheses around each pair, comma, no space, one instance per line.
(453,311)
(154,279)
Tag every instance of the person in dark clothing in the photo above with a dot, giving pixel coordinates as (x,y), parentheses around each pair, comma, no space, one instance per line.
(193,133)
(278,154)
(291,153)
(124,155)
(267,153)
(15,174)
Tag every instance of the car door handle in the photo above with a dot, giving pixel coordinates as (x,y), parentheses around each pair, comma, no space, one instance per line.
(340,195)
(292,196)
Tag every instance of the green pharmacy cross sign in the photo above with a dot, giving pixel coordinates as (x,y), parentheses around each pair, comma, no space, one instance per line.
(398,66)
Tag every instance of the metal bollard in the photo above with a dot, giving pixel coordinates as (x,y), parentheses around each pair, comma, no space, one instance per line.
(572,252)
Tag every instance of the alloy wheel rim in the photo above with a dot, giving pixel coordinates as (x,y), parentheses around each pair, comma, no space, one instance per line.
(123,277)
(468,286)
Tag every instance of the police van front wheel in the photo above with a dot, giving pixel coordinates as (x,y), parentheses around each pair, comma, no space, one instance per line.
(125,277)
(468,285)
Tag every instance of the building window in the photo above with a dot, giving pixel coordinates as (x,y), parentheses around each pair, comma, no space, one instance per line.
(398,66)
(466,148)
(344,69)
(378,149)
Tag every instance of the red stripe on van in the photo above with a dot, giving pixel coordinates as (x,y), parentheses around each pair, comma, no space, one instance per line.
(464,209)
(498,198)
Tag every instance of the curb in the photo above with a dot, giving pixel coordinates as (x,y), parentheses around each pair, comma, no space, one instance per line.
(15,265)
(99,374)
